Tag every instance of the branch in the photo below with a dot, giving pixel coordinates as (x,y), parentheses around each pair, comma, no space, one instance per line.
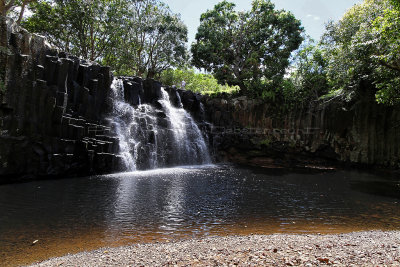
(21,13)
(9,5)
(387,65)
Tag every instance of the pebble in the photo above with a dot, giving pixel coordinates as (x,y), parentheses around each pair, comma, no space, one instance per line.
(255,250)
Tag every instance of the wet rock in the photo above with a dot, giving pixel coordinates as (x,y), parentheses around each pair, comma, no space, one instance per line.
(48,99)
(132,92)
(320,134)
(152,91)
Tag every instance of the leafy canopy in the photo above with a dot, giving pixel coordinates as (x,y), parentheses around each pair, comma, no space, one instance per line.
(154,39)
(196,82)
(362,50)
(84,28)
(133,37)
(308,73)
(249,49)
(386,32)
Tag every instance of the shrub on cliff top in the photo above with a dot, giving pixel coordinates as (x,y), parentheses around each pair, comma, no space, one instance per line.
(196,82)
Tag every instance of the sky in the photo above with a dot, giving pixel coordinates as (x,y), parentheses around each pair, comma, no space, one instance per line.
(314,14)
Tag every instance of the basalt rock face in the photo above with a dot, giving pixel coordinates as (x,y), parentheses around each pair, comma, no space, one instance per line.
(56,110)
(53,110)
(148,91)
(56,119)
(252,132)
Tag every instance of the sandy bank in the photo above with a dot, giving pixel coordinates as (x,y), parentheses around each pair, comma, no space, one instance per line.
(373,248)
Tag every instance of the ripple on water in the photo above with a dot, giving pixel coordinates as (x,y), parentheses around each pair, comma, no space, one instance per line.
(73,215)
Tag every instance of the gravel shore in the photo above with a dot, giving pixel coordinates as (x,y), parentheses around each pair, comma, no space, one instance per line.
(373,248)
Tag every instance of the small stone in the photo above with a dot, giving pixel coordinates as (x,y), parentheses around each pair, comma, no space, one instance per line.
(323,260)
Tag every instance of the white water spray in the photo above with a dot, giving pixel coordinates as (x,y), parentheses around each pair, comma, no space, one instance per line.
(153,138)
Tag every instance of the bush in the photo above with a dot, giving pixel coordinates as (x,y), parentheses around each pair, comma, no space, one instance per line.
(196,82)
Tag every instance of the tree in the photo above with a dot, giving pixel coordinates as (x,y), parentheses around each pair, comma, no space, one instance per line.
(7,6)
(308,73)
(248,49)
(386,32)
(195,81)
(154,40)
(362,50)
(86,28)
(134,37)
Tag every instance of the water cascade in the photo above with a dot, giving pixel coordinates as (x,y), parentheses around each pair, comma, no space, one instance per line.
(155,135)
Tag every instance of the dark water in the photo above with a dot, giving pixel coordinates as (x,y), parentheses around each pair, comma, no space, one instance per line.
(79,214)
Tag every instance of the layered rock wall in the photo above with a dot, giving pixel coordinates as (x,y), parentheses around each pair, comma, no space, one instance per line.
(52,111)
(55,119)
(250,131)
(56,110)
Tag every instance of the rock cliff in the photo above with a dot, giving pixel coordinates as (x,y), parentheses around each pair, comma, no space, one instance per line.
(52,110)
(250,131)
(55,119)
(55,110)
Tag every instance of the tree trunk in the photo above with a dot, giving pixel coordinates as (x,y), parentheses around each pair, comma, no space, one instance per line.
(150,74)
(3,56)
(21,13)
(243,88)
(5,7)
(2,8)
(92,43)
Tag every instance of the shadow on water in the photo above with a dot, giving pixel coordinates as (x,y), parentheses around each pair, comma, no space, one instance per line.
(73,215)
(382,188)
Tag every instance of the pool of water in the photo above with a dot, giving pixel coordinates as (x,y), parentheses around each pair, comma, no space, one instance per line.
(73,215)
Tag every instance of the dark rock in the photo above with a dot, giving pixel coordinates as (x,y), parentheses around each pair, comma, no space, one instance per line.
(83,75)
(174,97)
(132,92)
(81,158)
(51,103)
(62,100)
(152,91)
(329,133)
(39,75)
(63,67)
(50,67)
(93,85)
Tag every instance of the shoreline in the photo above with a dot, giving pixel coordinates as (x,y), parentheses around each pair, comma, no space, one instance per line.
(370,248)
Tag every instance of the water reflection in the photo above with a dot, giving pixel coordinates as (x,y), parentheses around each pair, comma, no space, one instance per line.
(77,214)
(173,211)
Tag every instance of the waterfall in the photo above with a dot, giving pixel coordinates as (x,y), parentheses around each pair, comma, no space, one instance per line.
(122,119)
(155,136)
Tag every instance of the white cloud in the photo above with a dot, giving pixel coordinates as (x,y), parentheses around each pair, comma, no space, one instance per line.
(314,17)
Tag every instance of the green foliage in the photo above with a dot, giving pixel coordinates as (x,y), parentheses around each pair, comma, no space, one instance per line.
(7,7)
(196,82)
(247,49)
(88,29)
(386,34)
(133,37)
(5,50)
(2,86)
(348,65)
(266,142)
(154,39)
(362,52)
(308,75)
